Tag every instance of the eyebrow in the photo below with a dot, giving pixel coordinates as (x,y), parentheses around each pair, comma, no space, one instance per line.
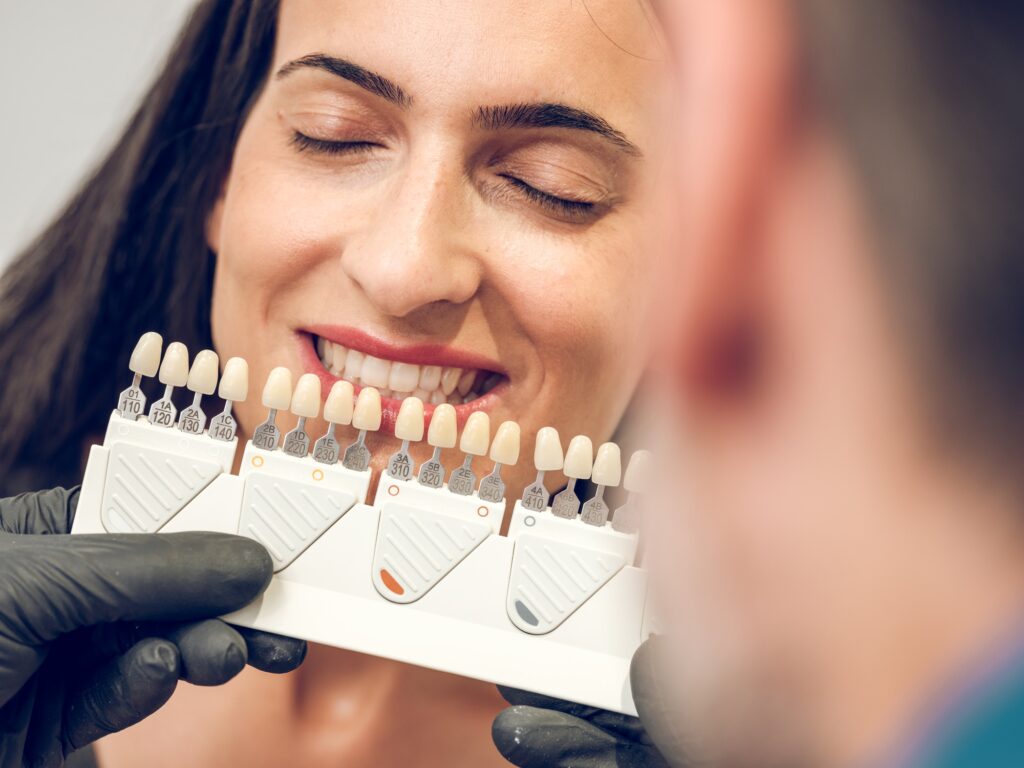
(364,78)
(552,116)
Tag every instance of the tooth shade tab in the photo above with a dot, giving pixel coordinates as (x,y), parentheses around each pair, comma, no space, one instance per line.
(277,392)
(547,451)
(638,472)
(306,400)
(505,448)
(476,435)
(366,415)
(579,458)
(202,376)
(444,430)
(174,368)
(340,403)
(234,382)
(607,465)
(145,359)
(409,424)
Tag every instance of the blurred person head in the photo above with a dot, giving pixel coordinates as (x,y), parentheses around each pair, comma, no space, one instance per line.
(848,365)
(443,185)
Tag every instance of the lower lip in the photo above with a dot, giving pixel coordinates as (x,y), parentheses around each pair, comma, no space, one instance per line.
(389,405)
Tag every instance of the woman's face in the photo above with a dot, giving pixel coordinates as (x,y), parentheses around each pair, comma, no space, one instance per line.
(462,185)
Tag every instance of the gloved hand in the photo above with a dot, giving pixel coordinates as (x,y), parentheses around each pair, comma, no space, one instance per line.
(96,630)
(541,732)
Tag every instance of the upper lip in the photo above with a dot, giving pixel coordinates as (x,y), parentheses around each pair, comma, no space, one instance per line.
(417,354)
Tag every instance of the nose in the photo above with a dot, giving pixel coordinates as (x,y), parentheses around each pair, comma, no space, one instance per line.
(415,249)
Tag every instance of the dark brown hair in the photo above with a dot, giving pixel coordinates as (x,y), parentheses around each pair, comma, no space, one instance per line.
(927,97)
(128,253)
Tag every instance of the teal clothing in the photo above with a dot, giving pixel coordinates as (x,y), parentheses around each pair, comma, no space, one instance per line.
(980,724)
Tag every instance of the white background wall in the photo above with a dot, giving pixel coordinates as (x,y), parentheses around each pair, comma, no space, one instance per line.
(71,72)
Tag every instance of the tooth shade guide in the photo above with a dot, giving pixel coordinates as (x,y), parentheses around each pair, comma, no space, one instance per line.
(536,497)
(462,481)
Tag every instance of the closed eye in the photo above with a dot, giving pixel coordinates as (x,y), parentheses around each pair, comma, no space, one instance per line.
(573,209)
(305,143)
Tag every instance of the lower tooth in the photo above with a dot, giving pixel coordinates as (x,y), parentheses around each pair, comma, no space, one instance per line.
(437,397)
(422,394)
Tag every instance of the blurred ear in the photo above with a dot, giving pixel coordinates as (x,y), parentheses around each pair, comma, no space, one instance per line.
(735,60)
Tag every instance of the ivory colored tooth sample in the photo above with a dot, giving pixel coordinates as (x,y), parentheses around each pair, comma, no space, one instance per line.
(607,471)
(366,417)
(306,399)
(366,414)
(638,472)
(340,403)
(579,458)
(476,435)
(636,482)
(443,433)
(145,361)
(475,440)
(504,450)
(202,380)
(173,373)
(174,368)
(579,462)
(234,381)
(337,410)
(607,468)
(408,426)
(547,457)
(202,376)
(306,405)
(277,396)
(277,392)
(547,451)
(233,388)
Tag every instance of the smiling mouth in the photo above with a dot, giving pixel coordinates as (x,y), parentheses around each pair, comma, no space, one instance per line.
(396,379)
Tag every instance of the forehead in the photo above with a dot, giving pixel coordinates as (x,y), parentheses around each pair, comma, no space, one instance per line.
(459,54)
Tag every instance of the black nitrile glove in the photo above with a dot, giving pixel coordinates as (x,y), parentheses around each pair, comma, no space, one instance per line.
(96,630)
(541,732)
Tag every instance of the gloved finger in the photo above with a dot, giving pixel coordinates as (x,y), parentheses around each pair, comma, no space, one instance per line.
(211,651)
(622,725)
(121,693)
(273,653)
(544,738)
(66,582)
(43,512)
(654,701)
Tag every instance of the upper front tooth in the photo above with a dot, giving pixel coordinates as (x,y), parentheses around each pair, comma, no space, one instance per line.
(375,372)
(466,382)
(353,365)
(404,377)
(430,377)
(325,350)
(339,357)
(450,379)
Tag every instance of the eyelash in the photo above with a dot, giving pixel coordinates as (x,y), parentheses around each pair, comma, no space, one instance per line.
(573,209)
(577,209)
(305,143)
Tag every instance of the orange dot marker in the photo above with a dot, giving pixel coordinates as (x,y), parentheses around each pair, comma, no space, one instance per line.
(391,582)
